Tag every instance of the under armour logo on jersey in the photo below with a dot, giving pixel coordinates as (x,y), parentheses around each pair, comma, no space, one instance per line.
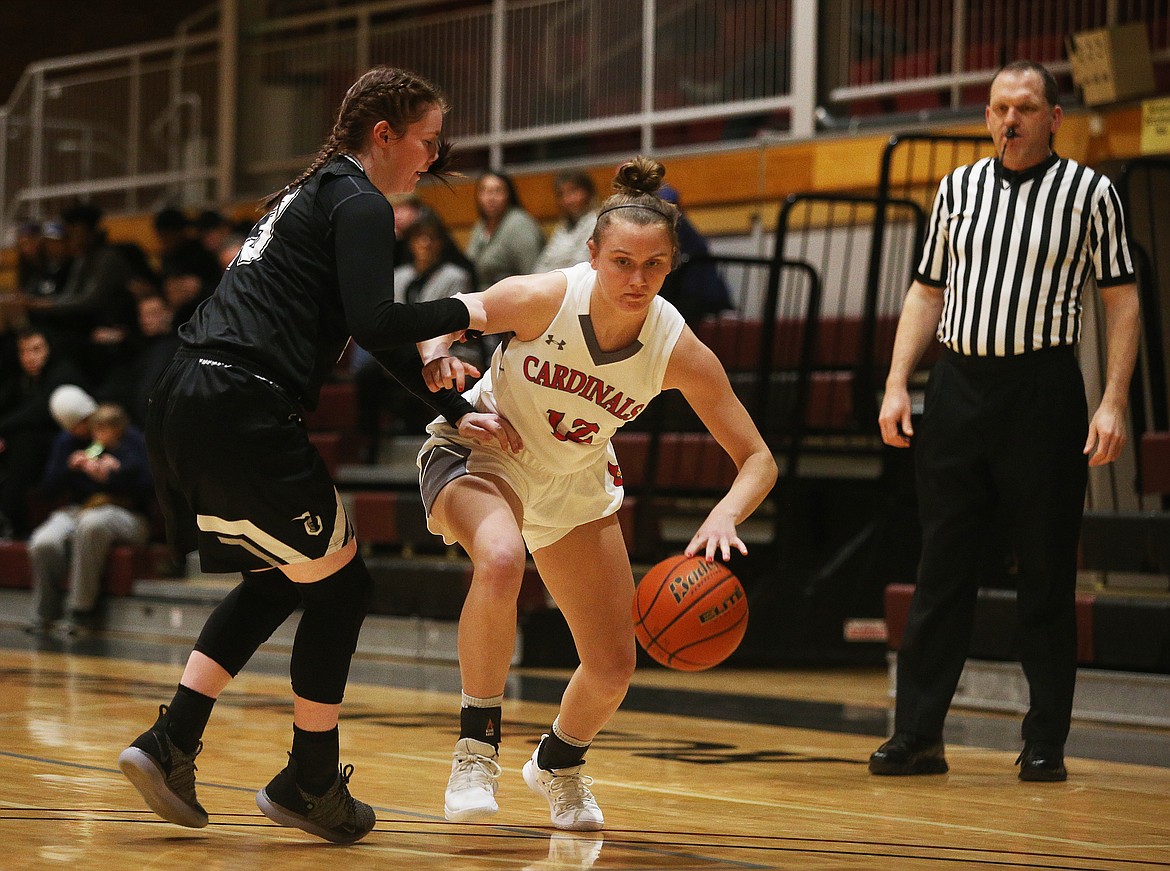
(313,525)
(552,340)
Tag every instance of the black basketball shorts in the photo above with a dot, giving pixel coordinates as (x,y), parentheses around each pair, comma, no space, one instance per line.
(234,470)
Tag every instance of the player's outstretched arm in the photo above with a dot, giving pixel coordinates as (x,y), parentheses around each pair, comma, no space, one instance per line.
(697,373)
(523,304)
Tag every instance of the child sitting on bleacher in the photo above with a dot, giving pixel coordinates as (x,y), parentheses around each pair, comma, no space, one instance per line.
(99,461)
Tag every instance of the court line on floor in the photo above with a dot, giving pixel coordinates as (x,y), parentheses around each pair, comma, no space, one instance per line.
(430,818)
(681,793)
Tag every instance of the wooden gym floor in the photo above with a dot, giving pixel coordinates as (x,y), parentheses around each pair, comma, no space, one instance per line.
(723,770)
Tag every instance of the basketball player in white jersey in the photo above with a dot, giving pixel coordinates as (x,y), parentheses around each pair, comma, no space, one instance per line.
(588,348)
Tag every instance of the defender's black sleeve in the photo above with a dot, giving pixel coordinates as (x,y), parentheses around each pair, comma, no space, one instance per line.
(363,226)
(404,364)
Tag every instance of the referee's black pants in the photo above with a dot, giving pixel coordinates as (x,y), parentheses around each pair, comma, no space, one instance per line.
(997,434)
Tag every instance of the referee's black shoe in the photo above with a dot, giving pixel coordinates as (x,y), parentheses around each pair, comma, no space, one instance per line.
(906,753)
(335,816)
(1042,762)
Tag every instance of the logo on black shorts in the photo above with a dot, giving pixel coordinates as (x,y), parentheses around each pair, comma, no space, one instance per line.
(313,524)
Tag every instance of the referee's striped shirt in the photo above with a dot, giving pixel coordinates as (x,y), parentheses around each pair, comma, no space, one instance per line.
(1014,250)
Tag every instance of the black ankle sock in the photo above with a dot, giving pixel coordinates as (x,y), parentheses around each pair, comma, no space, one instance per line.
(482,724)
(555,753)
(317,755)
(187,717)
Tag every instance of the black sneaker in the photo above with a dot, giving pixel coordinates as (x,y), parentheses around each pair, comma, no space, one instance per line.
(164,775)
(335,816)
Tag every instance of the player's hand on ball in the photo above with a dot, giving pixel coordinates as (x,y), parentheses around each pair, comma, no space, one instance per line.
(486,427)
(717,535)
(448,372)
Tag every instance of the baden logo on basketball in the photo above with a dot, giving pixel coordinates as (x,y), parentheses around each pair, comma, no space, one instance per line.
(681,584)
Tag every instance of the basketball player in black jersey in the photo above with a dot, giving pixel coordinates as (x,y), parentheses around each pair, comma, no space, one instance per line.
(234,469)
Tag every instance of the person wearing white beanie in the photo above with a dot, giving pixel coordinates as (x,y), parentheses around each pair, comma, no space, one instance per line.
(71,406)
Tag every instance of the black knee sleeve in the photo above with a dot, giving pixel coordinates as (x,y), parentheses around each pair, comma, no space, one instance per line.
(247,617)
(327,637)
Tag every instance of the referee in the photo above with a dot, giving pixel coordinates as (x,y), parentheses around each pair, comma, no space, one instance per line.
(1010,245)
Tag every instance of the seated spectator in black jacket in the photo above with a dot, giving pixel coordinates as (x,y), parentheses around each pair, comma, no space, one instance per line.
(98,463)
(26,424)
(55,261)
(130,382)
(95,293)
(189,272)
(212,231)
(30,255)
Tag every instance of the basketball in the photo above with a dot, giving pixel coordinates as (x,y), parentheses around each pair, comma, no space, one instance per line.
(689,614)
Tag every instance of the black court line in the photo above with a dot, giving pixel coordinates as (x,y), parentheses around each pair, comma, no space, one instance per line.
(1088,740)
(515,831)
(612,838)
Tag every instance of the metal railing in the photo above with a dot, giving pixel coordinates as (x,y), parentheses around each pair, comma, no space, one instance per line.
(530,81)
(912,56)
(533,83)
(127,129)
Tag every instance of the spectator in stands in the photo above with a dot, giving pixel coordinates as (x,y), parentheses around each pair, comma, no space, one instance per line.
(436,270)
(26,424)
(95,292)
(569,243)
(695,288)
(238,478)
(212,229)
(407,210)
(98,463)
(130,382)
(1012,241)
(189,271)
(505,240)
(530,465)
(30,257)
(114,344)
(233,243)
(55,261)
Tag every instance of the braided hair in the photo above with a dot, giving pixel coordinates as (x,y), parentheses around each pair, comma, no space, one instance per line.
(396,96)
(635,199)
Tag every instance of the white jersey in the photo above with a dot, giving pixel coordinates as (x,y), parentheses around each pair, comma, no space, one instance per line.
(563,394)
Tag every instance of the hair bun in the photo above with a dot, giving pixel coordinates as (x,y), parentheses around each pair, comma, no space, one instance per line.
(642,175)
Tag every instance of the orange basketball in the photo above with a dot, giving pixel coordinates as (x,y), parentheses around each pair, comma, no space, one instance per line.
(689,614)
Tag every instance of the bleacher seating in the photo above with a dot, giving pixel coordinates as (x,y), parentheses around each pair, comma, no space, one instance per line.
(1113,632)
(332,425)
(436,587)
(1155,456)
(124,566)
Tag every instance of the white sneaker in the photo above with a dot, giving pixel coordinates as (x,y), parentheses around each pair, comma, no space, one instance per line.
(571,804)
(475,774)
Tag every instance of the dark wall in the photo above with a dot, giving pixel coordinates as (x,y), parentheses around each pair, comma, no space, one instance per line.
(36,30)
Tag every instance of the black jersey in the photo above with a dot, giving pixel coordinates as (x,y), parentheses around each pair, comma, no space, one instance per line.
(316,270)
